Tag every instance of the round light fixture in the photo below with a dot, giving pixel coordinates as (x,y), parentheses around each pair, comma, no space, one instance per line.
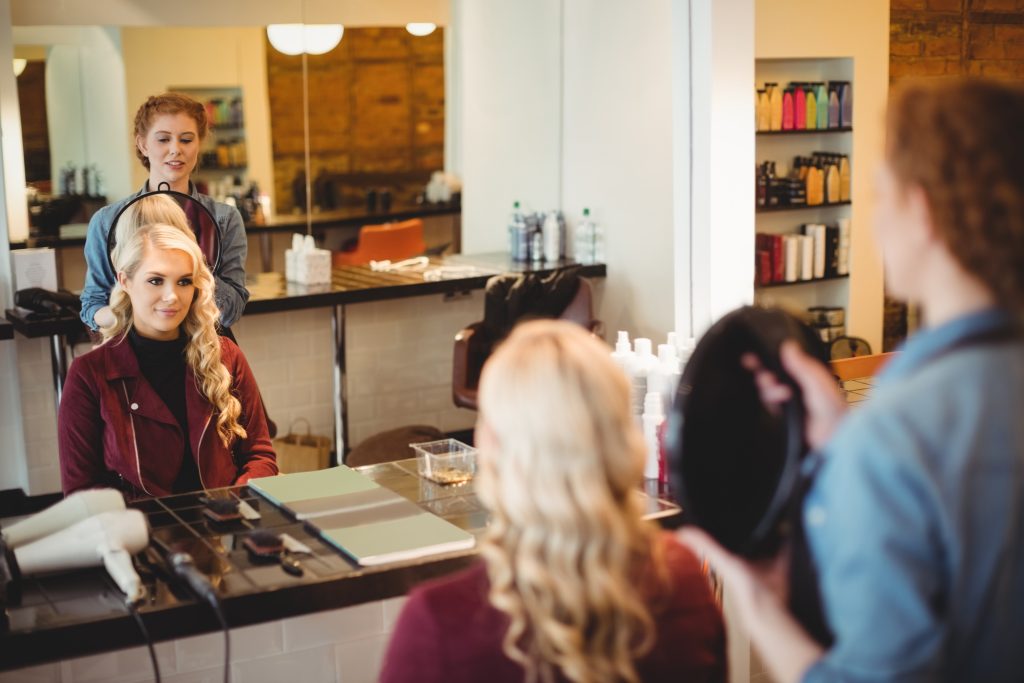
(314,39)
(19,66)
(420,28)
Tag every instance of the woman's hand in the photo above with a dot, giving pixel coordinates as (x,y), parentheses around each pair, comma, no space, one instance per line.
(104,317)
(759,591)
(824,404)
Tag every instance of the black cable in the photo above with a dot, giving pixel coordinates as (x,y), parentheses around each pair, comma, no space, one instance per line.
(184,566)
(145,634)
(215,603)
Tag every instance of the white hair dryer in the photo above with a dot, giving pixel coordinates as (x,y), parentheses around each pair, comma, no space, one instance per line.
(72,509)
(109,538)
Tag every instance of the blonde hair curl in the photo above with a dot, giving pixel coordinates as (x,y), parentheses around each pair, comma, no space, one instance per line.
(202,351)
(569,557)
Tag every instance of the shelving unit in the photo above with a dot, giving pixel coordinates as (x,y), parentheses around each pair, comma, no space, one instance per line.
(228,131)
(799,207)
(782,146)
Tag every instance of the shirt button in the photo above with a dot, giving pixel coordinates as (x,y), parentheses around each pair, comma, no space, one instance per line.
(135,406)
(816,515)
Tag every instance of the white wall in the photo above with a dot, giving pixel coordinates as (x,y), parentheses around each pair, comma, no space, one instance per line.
(618,161)
(84,93)
(510,113)
(861,31)
(13,467)
(722,72)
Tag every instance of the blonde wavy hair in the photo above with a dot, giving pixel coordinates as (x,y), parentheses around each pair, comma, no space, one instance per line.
(569,557)
(202,351)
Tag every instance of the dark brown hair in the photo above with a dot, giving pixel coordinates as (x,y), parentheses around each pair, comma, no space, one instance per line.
(167,103)
(962,142)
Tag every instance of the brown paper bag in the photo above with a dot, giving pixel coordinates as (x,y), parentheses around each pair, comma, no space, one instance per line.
(302,452)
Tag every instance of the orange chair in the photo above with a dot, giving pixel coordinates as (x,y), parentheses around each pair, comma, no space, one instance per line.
(860,366)
(391,241)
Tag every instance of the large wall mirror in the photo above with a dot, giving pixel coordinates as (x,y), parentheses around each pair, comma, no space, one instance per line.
(328,131)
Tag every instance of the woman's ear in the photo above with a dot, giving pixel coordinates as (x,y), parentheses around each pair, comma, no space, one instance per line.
(140,142)
(920,211)
(122,279)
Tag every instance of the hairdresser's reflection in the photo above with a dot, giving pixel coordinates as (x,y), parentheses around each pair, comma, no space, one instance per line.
(916,519)
(164,405)
(574,584)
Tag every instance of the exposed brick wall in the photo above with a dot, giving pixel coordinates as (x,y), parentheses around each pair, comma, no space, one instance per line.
(942,38)
(933,38)
(376,105)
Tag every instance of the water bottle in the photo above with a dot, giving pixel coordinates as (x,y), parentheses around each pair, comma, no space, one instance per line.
(518,236)
(553,239)
(588,243)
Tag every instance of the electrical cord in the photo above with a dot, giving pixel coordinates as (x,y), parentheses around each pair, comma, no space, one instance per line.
(184,567)
(145,634)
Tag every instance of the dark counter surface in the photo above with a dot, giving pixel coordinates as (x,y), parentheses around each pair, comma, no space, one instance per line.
(269,292)
(6,330)
(81,613)
(357,284)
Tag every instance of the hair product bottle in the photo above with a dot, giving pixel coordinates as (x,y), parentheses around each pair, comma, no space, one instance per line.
(775,99)
(821,97)
(799,106)
(811,108)
(787,109)
(844,178)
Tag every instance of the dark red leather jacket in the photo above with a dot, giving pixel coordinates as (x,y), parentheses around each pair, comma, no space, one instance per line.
(114,430)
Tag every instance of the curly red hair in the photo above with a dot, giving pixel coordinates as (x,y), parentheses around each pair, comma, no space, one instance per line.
(962,142)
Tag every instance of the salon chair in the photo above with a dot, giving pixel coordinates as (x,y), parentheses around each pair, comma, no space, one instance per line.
(473,344)
(391,241)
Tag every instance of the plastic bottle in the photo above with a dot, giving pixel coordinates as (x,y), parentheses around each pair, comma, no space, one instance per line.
(664,378)
(811,105)
(685,351)
(775,103)
(585,244)
(821,97)
(654,415)
(552,237)
(643,363)
(623,354)
(518,236)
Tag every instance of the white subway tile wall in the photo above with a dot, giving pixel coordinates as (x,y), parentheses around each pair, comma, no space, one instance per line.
(344,645)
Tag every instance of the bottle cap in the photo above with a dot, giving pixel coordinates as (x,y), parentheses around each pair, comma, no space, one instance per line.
(586,211)
(642,346)
(622,343)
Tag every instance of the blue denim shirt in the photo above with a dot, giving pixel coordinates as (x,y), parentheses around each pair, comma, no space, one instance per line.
(230,293)
(916,519)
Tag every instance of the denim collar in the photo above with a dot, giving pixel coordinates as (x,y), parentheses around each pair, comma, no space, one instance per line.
(932,342)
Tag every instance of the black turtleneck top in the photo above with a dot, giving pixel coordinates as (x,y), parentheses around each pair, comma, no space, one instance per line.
(163,365)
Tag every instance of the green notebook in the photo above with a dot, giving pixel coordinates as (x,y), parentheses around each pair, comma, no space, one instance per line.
(371,524)
(396,540)
(310,494)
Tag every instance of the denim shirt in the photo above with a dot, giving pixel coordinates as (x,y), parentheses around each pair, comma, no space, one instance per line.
(916,518)
(230,293)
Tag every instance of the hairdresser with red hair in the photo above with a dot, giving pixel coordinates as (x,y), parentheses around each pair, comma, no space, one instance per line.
(169,130)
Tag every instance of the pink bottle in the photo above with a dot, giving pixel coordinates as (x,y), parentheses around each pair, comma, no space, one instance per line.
(800,107)
(787,109)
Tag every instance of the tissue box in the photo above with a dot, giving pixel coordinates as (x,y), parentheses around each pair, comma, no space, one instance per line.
(35,268)
(311,267)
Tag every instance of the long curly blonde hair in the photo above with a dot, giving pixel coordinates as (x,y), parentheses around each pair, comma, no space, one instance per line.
(147,210)
(569,558)
(202,351)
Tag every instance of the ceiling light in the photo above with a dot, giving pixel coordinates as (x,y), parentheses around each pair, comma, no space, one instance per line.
(314,39)
(420,28)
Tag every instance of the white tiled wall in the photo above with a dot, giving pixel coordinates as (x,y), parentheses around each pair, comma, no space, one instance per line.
(345,645)
(38,413)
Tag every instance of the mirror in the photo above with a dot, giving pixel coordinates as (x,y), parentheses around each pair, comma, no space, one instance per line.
(374,121)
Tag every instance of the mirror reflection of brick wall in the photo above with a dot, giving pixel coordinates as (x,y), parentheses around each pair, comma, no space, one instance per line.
(944,38)
(376,117)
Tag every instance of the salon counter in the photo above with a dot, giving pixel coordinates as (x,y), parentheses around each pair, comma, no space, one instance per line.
(319,222)
(6,330)
(81,613)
